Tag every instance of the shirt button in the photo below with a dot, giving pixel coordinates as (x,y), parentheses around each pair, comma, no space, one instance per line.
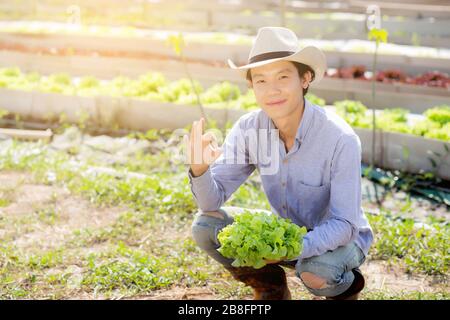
(283,184)
(284,207)
(285,161)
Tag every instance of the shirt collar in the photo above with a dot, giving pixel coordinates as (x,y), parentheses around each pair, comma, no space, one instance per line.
(305,122)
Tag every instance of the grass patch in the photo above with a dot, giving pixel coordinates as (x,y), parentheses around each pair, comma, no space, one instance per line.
(45,260)
(128,270)
(421,247)
(48,215)
(155,249)
(4,202)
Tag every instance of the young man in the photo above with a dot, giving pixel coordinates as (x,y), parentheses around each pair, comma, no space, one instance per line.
(316,182)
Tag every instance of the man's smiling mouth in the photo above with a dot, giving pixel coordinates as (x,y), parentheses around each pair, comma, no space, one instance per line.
(276,103)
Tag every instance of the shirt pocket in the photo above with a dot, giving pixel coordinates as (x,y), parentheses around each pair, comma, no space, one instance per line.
(312,203)
(310,175)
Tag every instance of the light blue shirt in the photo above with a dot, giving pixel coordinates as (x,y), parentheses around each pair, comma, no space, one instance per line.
(317,184)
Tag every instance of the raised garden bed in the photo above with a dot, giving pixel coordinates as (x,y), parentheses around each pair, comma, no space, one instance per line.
(394,150)
(412,97)
(222,46)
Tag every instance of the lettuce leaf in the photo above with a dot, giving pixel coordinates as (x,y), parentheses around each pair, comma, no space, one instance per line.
(256,237)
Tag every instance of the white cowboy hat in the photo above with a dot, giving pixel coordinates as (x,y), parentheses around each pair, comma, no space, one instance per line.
(275,44)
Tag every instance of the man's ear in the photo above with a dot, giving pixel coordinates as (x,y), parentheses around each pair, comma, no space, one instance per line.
(307,76)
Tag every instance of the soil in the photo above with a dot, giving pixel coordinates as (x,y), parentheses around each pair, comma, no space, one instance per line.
(74,212)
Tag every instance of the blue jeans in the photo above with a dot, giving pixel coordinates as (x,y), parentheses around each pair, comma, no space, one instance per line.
(334,266)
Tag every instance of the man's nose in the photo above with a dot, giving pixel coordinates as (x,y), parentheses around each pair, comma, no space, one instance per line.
(273,89)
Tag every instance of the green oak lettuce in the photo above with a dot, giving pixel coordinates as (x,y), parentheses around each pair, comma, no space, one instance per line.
(255,237)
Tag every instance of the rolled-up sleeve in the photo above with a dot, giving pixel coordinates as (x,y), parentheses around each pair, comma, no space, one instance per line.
(345,201)
(225,175)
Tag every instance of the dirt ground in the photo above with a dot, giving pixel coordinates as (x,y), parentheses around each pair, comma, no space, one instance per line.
(73,212)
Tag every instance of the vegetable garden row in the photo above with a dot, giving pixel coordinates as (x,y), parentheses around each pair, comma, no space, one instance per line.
(151,101)
(220,46)
(118,93)
(417,98)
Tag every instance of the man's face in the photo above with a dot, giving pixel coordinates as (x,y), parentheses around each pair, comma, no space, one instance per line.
(278,88)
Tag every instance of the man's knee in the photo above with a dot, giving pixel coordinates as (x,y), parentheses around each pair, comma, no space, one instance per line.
(205,227)
(313,281)
(315,275)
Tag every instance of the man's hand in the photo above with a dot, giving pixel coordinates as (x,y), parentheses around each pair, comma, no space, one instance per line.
(273,261)
(201,149)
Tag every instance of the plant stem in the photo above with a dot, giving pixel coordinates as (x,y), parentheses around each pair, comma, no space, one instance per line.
(374,66)
(202,110)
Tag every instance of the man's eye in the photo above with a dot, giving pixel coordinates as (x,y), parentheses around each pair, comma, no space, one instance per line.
(260,81)
(282,77)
